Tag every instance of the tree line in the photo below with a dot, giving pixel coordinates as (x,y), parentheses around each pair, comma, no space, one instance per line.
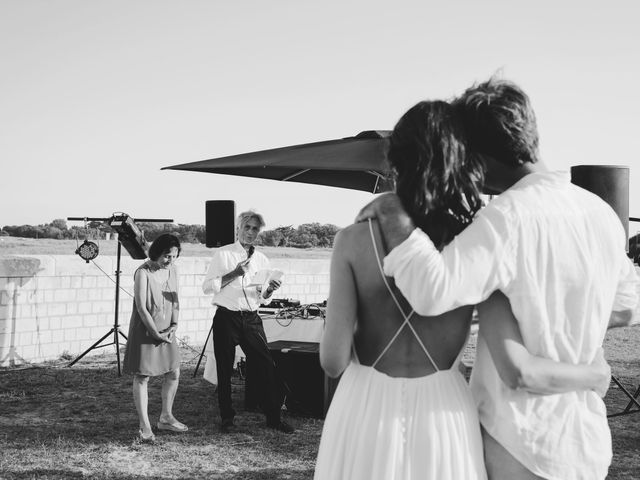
(307,235)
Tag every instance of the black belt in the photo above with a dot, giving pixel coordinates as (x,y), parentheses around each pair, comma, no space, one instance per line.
(237,311)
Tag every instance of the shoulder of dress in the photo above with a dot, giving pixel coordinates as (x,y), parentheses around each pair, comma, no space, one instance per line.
(142,272)
(142,268)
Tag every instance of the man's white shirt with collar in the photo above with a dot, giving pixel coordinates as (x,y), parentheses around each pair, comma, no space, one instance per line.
(237,295)
(558,253)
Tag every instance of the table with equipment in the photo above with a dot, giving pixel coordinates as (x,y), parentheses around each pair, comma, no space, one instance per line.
(293,334)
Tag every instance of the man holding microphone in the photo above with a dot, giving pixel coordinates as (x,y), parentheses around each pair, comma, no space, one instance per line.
(236,320)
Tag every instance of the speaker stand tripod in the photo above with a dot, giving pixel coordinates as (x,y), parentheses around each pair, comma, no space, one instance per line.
(115,330)
(195,372)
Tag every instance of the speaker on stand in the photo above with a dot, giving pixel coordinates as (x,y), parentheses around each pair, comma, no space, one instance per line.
(220,216)
(220,230)
(609,182)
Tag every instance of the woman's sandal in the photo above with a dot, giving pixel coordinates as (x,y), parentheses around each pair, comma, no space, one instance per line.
(151,438)
(172,427)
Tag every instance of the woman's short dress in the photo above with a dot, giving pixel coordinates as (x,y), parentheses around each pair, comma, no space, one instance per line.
(143,354)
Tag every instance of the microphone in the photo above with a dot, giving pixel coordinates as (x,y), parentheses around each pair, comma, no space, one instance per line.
(249,254)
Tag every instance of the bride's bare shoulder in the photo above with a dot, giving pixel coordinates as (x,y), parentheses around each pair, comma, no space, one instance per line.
(355,231)
(351,237)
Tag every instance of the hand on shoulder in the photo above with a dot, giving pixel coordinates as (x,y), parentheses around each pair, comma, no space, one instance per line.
(395,223)
(386,204)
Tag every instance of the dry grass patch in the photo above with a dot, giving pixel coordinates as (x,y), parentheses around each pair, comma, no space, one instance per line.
(66,423)
(58,423)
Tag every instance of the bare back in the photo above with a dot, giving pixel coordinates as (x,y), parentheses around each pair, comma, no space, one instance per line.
(379,318)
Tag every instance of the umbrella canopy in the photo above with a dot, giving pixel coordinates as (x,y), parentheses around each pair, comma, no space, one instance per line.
(357,163)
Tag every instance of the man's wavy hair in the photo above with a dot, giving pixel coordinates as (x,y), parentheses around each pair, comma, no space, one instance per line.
(437,181)
(244,217)
(499,121)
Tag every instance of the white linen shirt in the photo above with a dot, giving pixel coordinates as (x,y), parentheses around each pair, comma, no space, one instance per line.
(558,253)
(237,295)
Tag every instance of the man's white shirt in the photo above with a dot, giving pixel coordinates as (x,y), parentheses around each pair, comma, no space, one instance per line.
(238,294)
(558,253)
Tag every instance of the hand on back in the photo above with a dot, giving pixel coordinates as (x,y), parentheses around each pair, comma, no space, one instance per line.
(604,372)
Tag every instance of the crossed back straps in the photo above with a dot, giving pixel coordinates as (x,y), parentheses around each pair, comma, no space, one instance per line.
(406,316)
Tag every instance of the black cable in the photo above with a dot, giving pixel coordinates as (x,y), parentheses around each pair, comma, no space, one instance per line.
(245,294)
(279,315)
(308,311)
(109,277)
(249,255)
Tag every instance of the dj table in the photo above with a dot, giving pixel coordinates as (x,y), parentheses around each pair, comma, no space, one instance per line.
(300,325)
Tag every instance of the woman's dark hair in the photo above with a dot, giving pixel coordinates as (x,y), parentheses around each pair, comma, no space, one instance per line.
(436,180)
(163,244)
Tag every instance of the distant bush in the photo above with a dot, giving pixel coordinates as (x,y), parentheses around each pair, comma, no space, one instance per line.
(307,235)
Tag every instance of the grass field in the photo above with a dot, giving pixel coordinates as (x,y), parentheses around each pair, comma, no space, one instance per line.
(64,423)
(70,423)
(46,246)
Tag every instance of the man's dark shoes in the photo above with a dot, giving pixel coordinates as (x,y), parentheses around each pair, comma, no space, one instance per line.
(281,426)
(227,425)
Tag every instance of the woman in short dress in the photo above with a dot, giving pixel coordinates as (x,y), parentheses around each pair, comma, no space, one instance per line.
(151,348)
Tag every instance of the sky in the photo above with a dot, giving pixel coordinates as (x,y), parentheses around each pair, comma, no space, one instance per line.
(97,96)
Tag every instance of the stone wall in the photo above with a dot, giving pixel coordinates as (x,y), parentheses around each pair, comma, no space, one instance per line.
(55,305)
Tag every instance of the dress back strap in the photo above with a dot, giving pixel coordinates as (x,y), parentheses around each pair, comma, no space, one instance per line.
(406,317)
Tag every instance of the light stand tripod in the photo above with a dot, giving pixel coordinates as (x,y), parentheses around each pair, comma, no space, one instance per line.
(135,243)
(115,330)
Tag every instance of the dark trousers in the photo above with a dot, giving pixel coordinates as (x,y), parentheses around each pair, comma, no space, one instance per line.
(231,328)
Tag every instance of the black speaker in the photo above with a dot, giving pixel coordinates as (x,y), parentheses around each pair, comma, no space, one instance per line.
(306,390)
(609,182)
(220,222)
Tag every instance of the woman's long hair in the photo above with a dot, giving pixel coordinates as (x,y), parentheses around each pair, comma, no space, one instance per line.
(436,178)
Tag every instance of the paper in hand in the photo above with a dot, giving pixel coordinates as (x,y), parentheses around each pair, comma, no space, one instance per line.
(265,276)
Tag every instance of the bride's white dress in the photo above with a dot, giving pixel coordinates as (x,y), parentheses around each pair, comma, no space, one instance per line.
(391,428)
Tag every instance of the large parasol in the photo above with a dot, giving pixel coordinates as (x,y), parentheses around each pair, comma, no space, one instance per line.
(357,163)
